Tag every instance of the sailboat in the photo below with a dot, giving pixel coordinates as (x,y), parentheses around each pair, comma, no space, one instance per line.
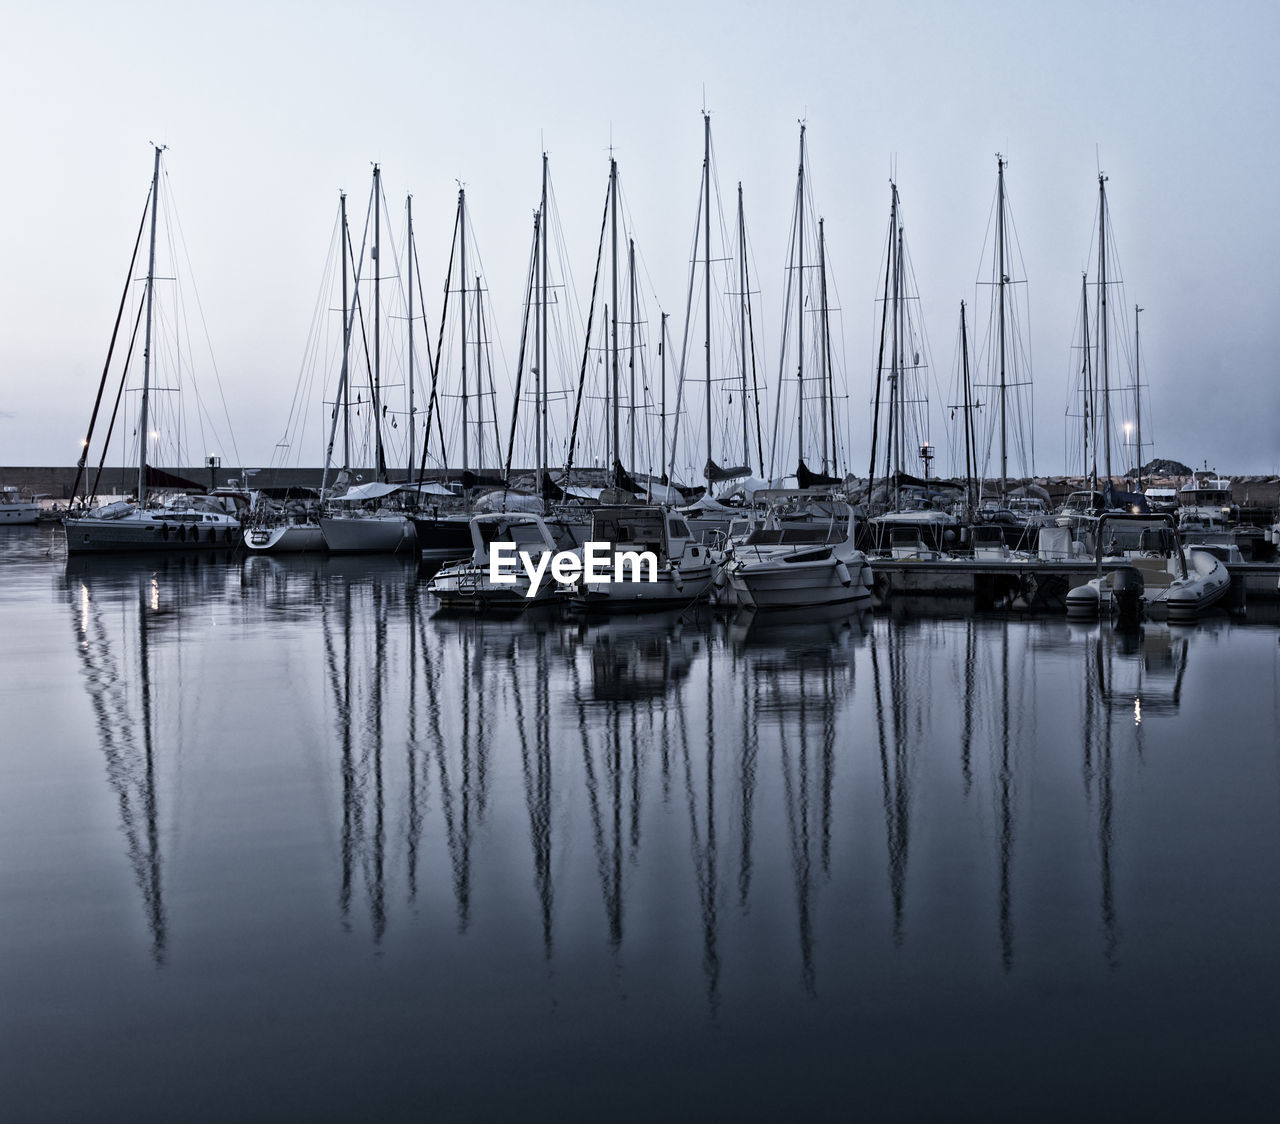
(731,383)
(358,520)
(909,523)
(813,358)
(183,522)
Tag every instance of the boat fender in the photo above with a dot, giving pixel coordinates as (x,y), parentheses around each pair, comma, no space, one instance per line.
(676,579)
(164,531)
(842,572)
(182,534)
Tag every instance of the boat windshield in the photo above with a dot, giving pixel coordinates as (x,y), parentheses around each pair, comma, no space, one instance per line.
(804,535)
(642,528)
(521,533)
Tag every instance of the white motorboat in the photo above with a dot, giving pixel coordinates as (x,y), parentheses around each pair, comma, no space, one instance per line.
(800,566)
(469,584)
(682,576)
(17,507)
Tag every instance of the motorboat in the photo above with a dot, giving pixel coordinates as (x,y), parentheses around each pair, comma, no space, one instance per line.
(682,576)
(471,583)
(800,565)
(17,507)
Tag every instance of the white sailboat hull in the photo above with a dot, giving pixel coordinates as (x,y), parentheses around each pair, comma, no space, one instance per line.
(292,538)
(373,534)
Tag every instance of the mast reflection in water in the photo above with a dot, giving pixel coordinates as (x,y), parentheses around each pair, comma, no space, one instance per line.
(374,859)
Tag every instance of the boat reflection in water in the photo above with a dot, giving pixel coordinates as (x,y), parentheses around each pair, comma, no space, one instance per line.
(481,840)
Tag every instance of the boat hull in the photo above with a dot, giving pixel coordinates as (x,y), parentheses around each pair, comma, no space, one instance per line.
(293,538)
(19,514)
(674,589)
(89,535)
(771,586)
(442,539)
(373,535)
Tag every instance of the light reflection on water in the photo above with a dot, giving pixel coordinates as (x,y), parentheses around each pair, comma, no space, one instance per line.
(349,831)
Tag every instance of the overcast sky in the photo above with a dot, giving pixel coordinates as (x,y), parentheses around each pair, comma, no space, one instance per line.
(270,108)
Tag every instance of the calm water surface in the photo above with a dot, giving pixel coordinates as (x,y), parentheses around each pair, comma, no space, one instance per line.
(277,839)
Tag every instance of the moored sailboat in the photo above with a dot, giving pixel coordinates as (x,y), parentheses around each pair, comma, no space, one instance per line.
(183,522)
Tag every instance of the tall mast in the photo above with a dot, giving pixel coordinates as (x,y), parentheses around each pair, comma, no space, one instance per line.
(1086,389)
(480,381)
(884,316)
(1102,319)
(346,337)
(742,325)
(631,356)
(827,397)
(462,273)
(1137,391)
(144,421)
(377,320)
(662,355)
(706,260)
(970,453)
(900,313)
(409,208)
(542,330)
(613,349)
(1004,424)
(800,302)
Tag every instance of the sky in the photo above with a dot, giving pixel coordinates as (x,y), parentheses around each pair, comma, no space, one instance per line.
(269,109)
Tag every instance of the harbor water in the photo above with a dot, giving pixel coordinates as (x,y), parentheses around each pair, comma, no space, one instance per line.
(280,840)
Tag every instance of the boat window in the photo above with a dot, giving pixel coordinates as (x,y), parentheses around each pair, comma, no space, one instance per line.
(787,536)
(680,529)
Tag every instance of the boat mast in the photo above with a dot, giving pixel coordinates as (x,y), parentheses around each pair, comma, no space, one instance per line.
(377,322)
(742,325)
(662,355)
(706,264)
(542,333)
(828,399)
(1090,405)
(800,303)
(613,350)
(409,208)
(1137,391)
(896,366)
(1102,319)
(1003,279)
(146,348)
(884,315)
(462,274)
(631,357)
(346,336)
(970,451)
(480,381)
